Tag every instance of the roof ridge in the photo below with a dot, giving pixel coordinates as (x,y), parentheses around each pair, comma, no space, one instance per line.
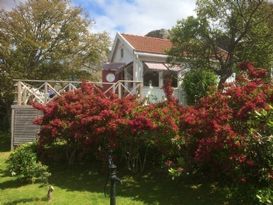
(163,39)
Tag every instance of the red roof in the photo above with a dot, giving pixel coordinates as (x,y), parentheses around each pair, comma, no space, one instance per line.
(148,44)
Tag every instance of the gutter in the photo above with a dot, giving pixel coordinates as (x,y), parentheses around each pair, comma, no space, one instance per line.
(150,54)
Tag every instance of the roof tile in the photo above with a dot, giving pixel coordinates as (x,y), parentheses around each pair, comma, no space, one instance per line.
(148,44)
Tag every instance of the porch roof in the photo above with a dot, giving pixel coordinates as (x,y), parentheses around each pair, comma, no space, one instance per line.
(162,66)
(113,66)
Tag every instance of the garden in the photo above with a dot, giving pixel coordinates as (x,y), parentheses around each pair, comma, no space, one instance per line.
(216,151)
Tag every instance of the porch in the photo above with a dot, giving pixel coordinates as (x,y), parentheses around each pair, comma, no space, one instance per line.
(154,75)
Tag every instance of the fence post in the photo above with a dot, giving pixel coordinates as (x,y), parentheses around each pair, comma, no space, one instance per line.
(119,90)
(19,93)
(46,92)
(140,89)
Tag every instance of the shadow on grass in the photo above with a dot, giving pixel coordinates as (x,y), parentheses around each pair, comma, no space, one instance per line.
(11,184)
(26,200)
(150,188)
(4,141)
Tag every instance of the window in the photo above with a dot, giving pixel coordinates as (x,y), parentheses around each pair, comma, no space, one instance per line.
(151,78)
(171,75)
(121,52)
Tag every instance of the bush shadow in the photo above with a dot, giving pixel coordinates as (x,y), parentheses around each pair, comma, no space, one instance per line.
(26,200)
(11,184)
(4,141)
(150,188)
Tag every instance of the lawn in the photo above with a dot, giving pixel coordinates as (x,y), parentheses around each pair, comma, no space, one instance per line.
(84,184)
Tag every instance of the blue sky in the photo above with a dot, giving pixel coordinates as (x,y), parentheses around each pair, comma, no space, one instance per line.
(135,16)
(129,16)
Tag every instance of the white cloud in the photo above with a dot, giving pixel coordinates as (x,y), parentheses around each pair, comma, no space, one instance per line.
(140,16)
(131,16)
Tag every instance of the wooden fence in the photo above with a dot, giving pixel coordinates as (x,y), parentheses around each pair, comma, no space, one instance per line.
(45,91)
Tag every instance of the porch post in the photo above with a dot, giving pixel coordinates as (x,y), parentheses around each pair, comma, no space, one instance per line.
(161,80)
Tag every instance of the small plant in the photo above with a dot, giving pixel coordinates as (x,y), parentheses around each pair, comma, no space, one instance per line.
(265,196)
(24,165)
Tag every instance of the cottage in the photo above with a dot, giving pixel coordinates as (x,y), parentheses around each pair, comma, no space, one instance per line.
(143,59)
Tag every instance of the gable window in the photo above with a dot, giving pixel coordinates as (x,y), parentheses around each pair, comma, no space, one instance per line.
(121,52)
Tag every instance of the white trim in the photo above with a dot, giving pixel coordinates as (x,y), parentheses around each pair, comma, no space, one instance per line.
(113,48)
(123,40)
(150,54)
(127,42)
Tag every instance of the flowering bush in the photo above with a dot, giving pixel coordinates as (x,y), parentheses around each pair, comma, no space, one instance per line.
(217,133)
(154,127)
(150,132)
(83,119)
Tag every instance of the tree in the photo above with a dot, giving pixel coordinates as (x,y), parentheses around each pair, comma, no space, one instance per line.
(47,39)
(224,33)
(198,83)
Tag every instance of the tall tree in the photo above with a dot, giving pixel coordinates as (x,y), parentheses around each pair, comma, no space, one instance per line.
(224,33)
(47,39)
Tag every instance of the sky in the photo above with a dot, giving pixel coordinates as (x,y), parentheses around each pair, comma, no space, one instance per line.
(135,16)
(129,16)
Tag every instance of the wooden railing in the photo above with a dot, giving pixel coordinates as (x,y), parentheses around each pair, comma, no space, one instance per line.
(42,91)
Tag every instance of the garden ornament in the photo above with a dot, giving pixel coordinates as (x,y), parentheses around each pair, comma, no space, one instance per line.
(49,193)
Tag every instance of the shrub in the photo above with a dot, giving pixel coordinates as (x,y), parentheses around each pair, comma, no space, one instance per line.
(260,144)
(84,120)
(199,83)
(24,165)
(217,133)
(87,121)
(148,134)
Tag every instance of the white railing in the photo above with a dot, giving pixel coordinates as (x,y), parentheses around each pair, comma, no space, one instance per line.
(42,91)
(156,94)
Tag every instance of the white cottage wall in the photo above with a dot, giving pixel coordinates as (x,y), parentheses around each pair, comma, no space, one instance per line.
(128,55)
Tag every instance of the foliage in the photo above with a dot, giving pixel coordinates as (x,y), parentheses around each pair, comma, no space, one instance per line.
(219,138)
(24,165)
(151,130)
(46,39)
(226,136)
(84,119)
(222,34)
(264,196)
(199,83)
(260,142)
(87,121)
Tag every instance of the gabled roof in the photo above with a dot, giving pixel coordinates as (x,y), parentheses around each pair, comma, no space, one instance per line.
(148,44)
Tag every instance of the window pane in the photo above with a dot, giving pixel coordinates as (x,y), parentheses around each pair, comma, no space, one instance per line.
(151,78)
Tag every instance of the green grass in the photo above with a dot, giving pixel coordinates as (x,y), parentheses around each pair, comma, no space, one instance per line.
(84,184)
